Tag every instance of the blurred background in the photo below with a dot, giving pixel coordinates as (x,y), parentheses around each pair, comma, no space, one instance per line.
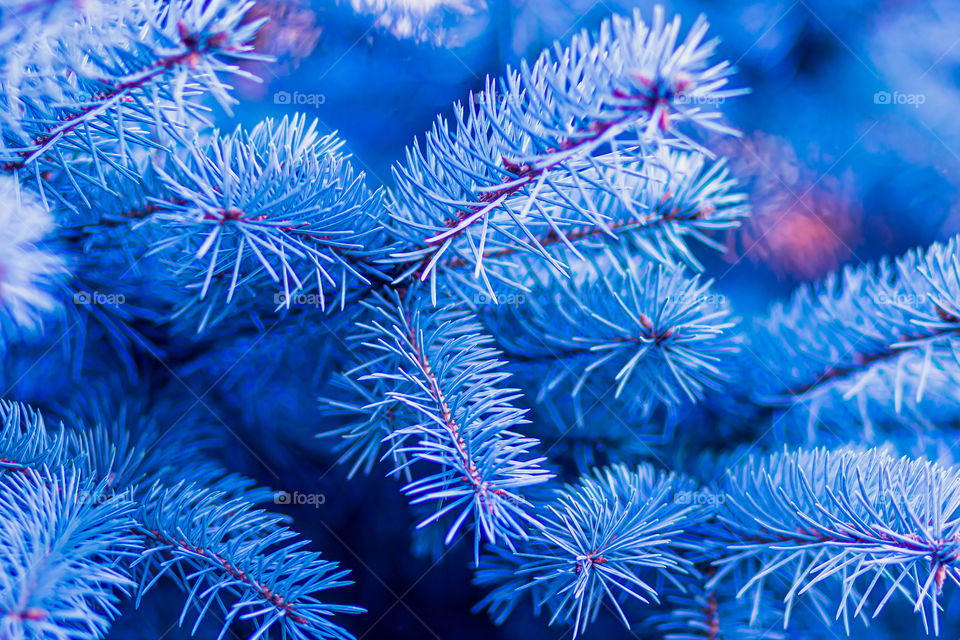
(851,137)
(850,151)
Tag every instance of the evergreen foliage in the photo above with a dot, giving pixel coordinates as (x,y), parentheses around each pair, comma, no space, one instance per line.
(515,329)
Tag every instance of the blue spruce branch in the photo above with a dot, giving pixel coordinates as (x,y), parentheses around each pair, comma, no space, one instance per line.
(65,556)
(114,79)
(203,529)
(866,345)
(860,527)
(434,365)
(658,332)
(564,150)
(615,534)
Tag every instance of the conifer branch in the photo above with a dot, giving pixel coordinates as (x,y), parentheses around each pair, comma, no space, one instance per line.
(435,365)
(527,162)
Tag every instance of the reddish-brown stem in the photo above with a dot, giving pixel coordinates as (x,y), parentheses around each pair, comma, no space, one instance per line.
(711,612)
(31,614)
(589,231)
(648,334)
(939,561)
(121,91)
(13,465)
(231,569)
(473,476)
(268,594)
(595,558)
(712,616)
(525,174)
(864,360)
